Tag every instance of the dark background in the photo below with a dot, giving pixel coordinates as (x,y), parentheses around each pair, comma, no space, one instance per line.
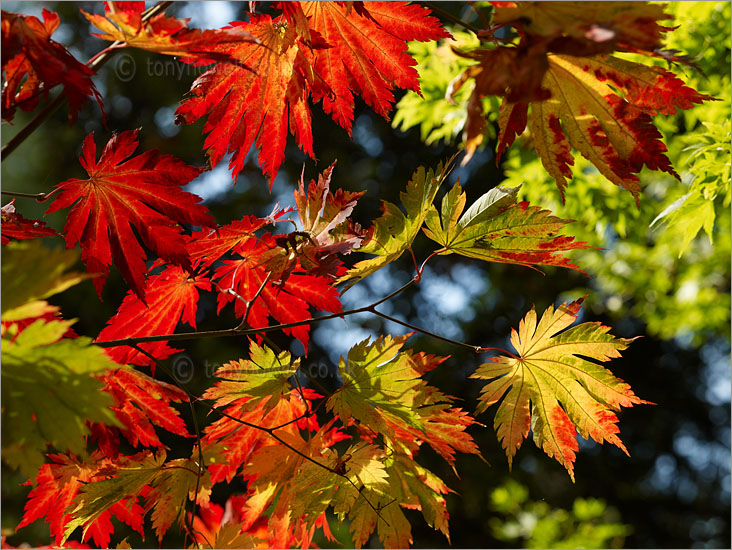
(674,490)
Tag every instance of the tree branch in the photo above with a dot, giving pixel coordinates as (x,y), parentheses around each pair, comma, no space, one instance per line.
(181,336)
(450,17)
(476,349)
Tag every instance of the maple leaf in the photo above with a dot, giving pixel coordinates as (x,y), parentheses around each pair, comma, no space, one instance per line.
(594,28)
(383,394)
(393,232)
(615,133)
(141,402)
(236,442)
(438,425)
(552,386)
(41,372)
(287,300)
(598,104)
(33,63)
(366,53)
(264,376)
(165,486)
(141,192)
(498,228)
(327,51)
(161,34)
(20,294)
(410,486)
(208,525)
(244,107)
(324,216)
(209,245)
(15,226)
(313,488)
(56,486)
(172,297)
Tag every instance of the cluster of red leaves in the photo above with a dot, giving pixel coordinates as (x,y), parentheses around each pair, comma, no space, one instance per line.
(33,63)
(316,51)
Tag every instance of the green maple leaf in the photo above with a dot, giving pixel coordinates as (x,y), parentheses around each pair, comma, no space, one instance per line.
(552,387)
(132,474)
(47,266)
(393,232)
(264,375)
(410,486)
(498,228)
(381,387)
(49,392)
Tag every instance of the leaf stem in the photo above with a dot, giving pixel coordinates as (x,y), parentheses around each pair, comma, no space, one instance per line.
(40,197)
(476,349)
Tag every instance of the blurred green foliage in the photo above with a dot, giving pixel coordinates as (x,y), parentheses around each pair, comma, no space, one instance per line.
(534,524)
(439,118)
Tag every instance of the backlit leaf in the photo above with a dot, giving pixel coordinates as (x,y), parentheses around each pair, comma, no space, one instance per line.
(552,386)
(393,232)
(121,193)
(33,63)
(43,374)
(498,228)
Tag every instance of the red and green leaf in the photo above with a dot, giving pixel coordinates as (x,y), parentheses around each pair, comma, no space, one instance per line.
(498,228)
(556,385)
(53,498)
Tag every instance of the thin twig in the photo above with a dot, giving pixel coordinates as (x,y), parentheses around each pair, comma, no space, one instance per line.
(450,17)
(40,197)
(197,335)
(476,349)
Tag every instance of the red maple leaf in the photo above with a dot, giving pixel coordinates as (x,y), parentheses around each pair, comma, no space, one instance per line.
(172,296)
(257,100)
(287,300)
(209,245)
(368,51)
(33,63)
(140,403)
(339,52)
(15,226)
(141,192)
(53,498)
